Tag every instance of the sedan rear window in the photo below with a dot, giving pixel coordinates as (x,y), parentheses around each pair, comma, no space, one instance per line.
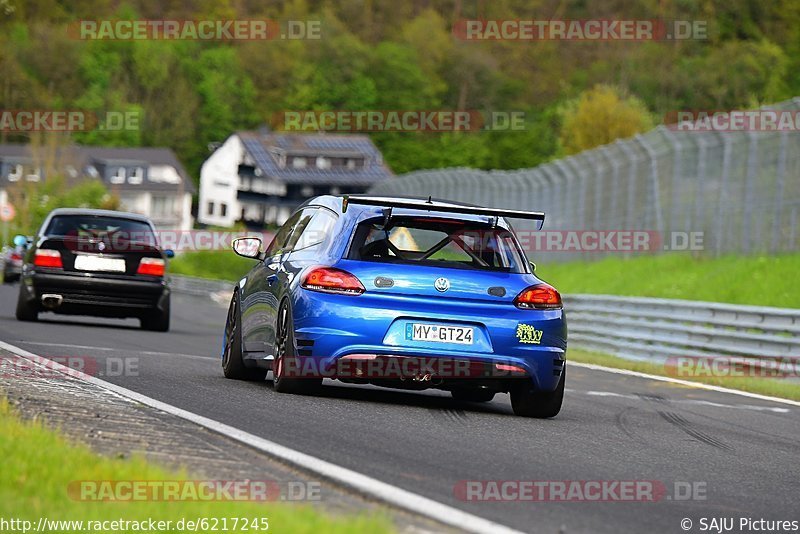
(438,242)
(100,227)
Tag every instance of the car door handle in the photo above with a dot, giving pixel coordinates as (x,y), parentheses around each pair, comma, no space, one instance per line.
(271,278)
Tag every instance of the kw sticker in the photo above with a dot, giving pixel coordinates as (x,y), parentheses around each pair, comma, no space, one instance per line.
(528,334)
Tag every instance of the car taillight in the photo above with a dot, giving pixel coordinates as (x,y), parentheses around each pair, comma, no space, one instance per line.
(540,297)
(332,280)
(151,267)
(16,256)
(48,258)
(507,368)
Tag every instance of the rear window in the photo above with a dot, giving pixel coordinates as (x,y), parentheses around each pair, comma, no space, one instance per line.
(100,227)
(438,242)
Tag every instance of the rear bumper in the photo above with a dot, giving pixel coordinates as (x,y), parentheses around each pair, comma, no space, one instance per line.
(95,295)
(331,327)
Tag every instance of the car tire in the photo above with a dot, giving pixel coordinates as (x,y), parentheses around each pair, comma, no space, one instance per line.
(26,310)
(285,356)
(528,402)
(159,320)
(473,395)
(232,363)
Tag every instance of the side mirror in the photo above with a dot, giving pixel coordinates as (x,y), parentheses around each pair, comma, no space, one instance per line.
(169,253)
(20,240)
(248,247)
(533,266)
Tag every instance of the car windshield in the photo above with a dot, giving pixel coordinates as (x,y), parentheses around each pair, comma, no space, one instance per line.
(100,227)
(438,242)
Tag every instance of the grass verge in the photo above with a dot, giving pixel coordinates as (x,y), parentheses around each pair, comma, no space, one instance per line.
(214,264)
(774,387)
(39,464)
(756,280)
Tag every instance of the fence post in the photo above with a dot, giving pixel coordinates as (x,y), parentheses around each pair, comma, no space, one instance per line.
(614,188)
(752,158)
(677,160)
(554,193)
(656,193)
(599,187)
(780,175)
(580,173)
(700,187)
(631,200)
(723,192)
(565,185)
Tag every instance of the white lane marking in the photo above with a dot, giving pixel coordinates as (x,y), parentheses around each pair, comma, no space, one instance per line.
(387,493)
(110,349)
(689,401)
(698,385)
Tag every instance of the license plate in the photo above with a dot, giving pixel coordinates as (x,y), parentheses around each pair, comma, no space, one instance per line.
(97,263)
(463,335)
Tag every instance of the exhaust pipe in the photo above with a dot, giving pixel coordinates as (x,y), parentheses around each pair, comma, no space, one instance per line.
(51,301)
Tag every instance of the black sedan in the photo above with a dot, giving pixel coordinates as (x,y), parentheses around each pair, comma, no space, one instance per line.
(96,262)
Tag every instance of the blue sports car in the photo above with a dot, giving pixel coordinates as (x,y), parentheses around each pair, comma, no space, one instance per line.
(399,292)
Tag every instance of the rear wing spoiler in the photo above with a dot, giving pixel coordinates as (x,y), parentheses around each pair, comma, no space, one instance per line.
(428,205)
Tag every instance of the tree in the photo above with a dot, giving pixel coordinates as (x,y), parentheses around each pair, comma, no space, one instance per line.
(227,95)
(599,116)
(761,69)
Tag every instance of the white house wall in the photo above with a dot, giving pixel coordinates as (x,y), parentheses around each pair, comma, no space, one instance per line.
(186,213)
(219,182)
(142,203)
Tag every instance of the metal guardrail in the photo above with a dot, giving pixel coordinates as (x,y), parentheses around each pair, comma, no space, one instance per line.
(198,286)
(657,329)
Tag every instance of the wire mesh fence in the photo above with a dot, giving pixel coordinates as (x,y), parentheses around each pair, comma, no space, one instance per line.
(739,190)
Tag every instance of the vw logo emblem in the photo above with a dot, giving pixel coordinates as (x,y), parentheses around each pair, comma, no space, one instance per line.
(441,284)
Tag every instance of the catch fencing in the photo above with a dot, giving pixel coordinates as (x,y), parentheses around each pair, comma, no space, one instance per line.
(739,189)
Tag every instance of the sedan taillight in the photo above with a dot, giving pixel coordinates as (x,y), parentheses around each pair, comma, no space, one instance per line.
(47,258)
(151,267)
(539,297)
(332,280)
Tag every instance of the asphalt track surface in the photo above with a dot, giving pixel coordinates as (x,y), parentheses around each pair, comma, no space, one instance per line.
(741,454)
